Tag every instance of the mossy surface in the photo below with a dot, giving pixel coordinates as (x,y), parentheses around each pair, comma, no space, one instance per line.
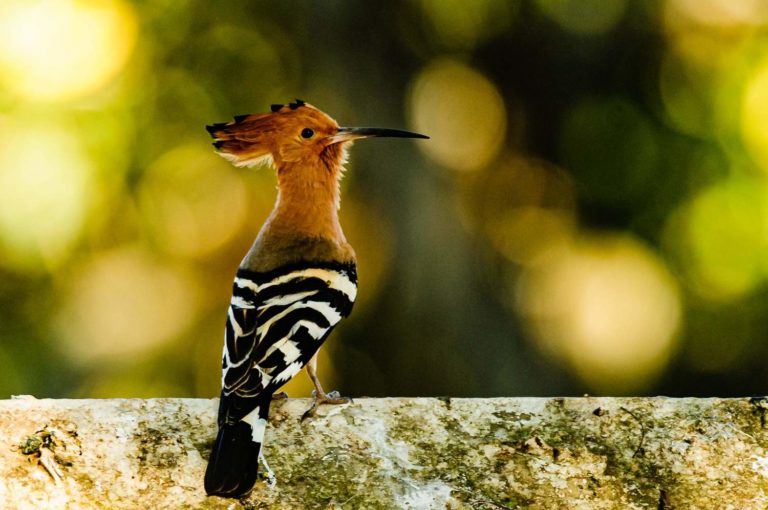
(590,453)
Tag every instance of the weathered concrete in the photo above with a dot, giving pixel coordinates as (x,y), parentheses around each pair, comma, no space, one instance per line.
(536,453)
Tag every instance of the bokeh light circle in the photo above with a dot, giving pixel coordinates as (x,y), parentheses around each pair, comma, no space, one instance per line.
(717,13)
(609,307)
(62,49)
(193,202)
(719,239)
(124,303)
(462,112)
(754,115)
(46,190)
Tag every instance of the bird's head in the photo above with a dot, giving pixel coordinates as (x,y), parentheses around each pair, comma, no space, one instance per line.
(293,133)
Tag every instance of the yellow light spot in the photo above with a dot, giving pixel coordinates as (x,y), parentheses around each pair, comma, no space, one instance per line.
(722,13)
(610,308)
(754,116)
(123,304)
(61,49)
(719,238)
(584,16)
(45,191)
(193,204)
(714,33)
(463,113)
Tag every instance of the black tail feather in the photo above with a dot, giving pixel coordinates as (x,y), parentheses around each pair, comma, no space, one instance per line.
(234,462)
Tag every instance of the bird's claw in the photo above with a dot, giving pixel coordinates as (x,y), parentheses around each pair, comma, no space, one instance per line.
(332,397)
(267,473)
(280,396)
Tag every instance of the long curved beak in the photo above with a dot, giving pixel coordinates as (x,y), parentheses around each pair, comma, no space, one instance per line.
(346,134)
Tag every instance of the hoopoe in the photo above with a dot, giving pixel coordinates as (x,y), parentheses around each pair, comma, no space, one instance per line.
(294,285)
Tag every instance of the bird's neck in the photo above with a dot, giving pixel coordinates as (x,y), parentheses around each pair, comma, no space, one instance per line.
(304,224)
(307,203)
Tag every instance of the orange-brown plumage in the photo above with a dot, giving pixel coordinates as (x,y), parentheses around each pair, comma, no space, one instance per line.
(253,139)
(304,223)
(308,149)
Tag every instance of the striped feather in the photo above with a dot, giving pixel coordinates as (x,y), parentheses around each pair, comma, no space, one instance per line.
(276,323)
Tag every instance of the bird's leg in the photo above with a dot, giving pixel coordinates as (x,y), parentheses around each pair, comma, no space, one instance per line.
(267,474)
(318,395)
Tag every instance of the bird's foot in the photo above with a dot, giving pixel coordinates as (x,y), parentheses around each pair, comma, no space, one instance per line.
(267,474)
(279,396)
(319,398)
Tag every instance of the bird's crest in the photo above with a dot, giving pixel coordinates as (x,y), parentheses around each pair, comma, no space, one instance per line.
(278,135)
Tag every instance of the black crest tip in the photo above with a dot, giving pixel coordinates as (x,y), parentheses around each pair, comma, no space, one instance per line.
(276,107)
(296,104)
(212,128)
(218,144)
(240,118)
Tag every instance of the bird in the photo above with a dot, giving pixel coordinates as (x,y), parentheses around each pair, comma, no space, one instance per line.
(295,283)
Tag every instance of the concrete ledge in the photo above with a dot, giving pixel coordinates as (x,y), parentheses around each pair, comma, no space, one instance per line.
(537,453)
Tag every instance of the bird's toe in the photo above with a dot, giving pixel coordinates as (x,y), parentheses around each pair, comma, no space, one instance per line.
(332,397)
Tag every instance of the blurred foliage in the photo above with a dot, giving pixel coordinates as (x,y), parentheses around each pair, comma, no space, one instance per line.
(590,215)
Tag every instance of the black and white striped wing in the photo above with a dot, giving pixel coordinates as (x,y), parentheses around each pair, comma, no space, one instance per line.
(277,322)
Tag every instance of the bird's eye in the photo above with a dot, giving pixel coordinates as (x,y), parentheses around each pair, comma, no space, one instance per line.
(307,133)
